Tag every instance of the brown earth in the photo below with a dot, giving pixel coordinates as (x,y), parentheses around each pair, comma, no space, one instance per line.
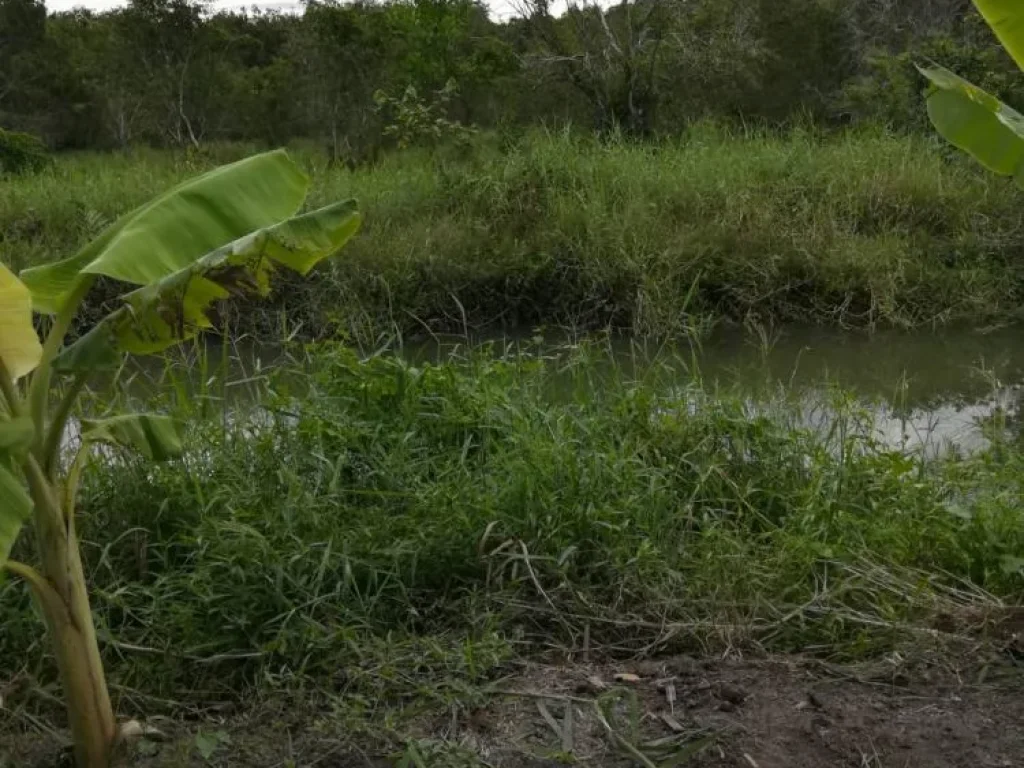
(780,712)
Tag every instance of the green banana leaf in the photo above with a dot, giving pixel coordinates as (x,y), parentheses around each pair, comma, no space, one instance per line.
(175,308)
(152,435)
(15,508)
(1006,17)
(20,349)
(171,231)
(16,435)
(976,122)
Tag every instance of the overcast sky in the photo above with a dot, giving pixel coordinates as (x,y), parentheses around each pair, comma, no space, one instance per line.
(499,8)
(103,5)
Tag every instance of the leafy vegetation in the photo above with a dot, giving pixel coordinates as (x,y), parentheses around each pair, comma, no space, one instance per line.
(21,153)
(219,236)
(412,121)
(862,229)
(172,72)
(971,118)
(379,540)
(385,534)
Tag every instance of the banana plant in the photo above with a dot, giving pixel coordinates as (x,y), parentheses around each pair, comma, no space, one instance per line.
(972,119)
(222,235)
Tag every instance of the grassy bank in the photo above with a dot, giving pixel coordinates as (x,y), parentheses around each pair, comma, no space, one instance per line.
(394,536)
(860,229)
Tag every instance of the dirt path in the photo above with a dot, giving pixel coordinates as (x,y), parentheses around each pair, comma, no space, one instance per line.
(780,713)
(783,712)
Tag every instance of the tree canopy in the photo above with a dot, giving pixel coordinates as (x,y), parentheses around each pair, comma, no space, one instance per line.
(178,72)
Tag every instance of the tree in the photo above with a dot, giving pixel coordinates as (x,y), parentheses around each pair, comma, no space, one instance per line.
(340,53)
(611,56)
(108,71)
(163,39)
(22,34)
(223,235)
(973,119)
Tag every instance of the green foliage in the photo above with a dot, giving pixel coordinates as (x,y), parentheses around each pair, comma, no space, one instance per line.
(763,60)
(976,121)
(412,121)
(17,506)
(165,72)
(177,306)
(971,118)
(1007,22)
(22,153)
(152,436)
(890,91)
(371,516)
(176,228)
(221,235)
(861,229)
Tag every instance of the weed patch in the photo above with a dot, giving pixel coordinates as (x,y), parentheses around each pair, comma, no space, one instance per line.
(860,229)
(462,508)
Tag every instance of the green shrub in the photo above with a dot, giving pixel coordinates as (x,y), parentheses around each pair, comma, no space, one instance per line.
(378,502)
(854,228)
(891,91)
(413,121)
(21,152)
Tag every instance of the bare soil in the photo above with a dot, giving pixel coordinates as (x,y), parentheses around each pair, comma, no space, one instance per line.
(779,712)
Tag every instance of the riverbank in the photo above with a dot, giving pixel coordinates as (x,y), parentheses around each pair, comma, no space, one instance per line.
(390,551)
(859,229)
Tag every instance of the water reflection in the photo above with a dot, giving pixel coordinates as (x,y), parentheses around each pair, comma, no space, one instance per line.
(919,392)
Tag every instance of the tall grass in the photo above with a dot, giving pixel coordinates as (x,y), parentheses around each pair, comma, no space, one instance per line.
(462,513)
(858,228)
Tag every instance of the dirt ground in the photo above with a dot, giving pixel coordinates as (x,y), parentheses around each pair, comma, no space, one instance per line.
(780,712)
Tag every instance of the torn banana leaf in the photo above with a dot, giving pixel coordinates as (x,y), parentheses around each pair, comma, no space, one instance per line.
(20,349)
(176,308)
(976,122)
(172,230)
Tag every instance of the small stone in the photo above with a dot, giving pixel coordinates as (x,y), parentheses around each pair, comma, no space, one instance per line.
(592,685)
(731,694)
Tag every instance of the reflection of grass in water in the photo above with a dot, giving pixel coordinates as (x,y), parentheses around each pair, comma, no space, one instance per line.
(399,524)
(784,373)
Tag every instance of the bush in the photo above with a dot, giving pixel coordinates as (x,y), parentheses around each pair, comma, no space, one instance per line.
(858,228)
(891,90)
(413,121)
(21,153)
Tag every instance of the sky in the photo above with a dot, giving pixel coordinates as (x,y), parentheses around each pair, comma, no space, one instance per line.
(103,5)
(500,8)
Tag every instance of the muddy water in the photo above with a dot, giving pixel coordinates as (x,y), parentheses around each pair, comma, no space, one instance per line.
(930,392)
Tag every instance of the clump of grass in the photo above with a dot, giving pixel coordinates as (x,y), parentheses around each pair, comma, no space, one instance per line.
(378,522)
(21,153)
(860,228)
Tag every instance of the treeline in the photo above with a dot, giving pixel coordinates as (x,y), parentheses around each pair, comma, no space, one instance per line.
(358,75)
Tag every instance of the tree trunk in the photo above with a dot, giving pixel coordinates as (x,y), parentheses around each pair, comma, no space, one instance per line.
(65,605)
(90,715)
